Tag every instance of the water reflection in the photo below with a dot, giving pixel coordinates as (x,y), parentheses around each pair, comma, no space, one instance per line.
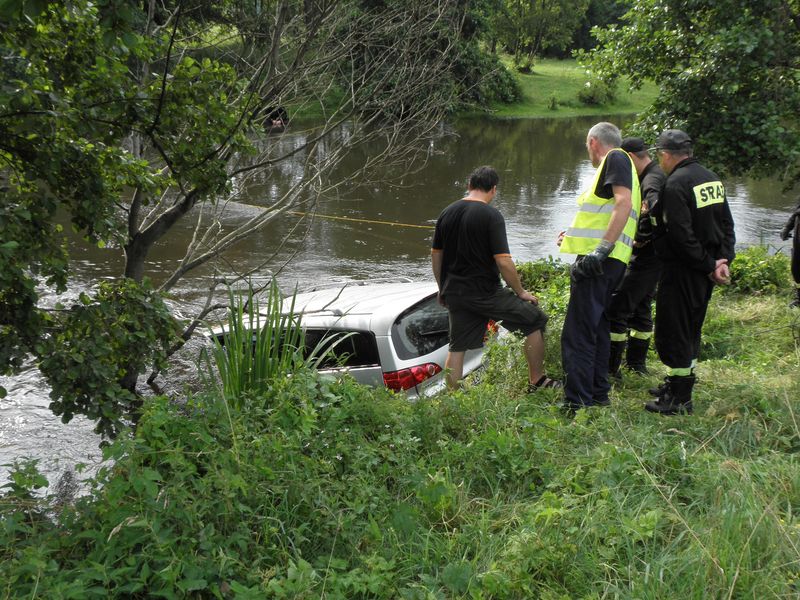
(543,167)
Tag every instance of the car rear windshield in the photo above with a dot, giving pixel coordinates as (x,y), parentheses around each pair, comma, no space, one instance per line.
(421,329)
(344,348)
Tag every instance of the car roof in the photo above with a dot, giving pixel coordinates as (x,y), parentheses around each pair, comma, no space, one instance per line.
(366,306)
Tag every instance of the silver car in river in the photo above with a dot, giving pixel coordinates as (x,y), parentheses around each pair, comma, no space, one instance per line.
(397,334)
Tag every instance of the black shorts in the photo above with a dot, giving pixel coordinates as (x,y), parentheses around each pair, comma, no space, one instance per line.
(470,315)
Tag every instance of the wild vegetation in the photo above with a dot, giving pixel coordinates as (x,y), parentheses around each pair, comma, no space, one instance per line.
(323,489)
(127,120)
(123,119)
(726,70)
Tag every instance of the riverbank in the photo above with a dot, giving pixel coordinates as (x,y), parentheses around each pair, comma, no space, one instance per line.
(551,90)
(331,490)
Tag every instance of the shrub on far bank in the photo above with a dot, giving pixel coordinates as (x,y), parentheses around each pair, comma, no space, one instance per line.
(495,84)
(597,92)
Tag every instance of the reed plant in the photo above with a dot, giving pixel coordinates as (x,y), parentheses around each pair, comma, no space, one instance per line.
(258,343)
(262,340)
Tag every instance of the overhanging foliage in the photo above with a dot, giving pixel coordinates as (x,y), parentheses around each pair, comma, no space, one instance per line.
(729,75)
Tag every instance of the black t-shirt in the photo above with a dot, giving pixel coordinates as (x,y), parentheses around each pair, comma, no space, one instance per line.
(470,234)
(616,171)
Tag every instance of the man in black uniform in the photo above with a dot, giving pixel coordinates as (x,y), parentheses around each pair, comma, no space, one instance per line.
(794,224)
(695,240)
(469,254)
(630,313)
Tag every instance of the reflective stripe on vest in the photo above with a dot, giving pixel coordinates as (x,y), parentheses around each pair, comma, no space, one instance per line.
(594,214)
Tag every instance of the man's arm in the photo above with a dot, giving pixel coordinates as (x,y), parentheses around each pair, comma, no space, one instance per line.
(436,264)
(619,215)
(786,233)
(651,189)
(508,271)
(728,245)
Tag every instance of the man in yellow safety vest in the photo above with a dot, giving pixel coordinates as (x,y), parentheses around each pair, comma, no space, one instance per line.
(602,235)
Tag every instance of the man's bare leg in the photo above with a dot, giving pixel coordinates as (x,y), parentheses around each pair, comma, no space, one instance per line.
(534,354)
(455,369)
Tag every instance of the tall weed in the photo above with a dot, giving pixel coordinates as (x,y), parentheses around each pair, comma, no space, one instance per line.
(260,343)
(256,346)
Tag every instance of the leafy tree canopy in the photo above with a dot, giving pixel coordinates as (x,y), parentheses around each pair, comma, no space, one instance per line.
(728,73)
(123,119)
(526,28)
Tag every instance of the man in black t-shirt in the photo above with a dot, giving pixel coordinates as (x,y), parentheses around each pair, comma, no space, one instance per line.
(469,254)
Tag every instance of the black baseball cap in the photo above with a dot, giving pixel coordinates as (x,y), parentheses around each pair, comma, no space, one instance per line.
(673,140)
(633,144)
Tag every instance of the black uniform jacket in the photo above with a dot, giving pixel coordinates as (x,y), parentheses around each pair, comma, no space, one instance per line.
(651,182)
(694,226)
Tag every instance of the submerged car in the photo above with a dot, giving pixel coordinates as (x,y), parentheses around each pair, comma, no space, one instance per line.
(389,334)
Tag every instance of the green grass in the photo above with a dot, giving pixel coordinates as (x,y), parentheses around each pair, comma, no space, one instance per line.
(562,80)
(338,491)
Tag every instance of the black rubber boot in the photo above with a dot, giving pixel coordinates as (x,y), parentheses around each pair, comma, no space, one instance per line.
(615,359)
(662,387)
(676,400)
(636,357)
(660,390)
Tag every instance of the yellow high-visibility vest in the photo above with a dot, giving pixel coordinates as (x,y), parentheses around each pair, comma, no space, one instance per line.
(594,214)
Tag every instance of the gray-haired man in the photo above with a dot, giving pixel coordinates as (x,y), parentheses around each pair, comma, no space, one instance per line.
(601,234)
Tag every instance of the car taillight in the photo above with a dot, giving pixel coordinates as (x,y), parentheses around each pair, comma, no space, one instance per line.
(405,379)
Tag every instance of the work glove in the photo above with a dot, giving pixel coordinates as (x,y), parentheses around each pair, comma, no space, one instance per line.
(591,265)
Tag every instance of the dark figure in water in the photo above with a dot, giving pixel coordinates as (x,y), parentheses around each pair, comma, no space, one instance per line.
(275,118)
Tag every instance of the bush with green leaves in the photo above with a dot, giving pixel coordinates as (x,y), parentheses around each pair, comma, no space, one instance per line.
(758,270)
(547,278)
(96,345)
(597,92)
(496,83)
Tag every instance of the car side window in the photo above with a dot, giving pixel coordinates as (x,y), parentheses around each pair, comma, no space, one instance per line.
(421,329)
(340,348)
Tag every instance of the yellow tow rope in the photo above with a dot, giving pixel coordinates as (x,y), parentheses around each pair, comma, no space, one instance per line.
(335,218)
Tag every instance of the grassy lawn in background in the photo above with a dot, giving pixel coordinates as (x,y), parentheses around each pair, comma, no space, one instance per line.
(563,79)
